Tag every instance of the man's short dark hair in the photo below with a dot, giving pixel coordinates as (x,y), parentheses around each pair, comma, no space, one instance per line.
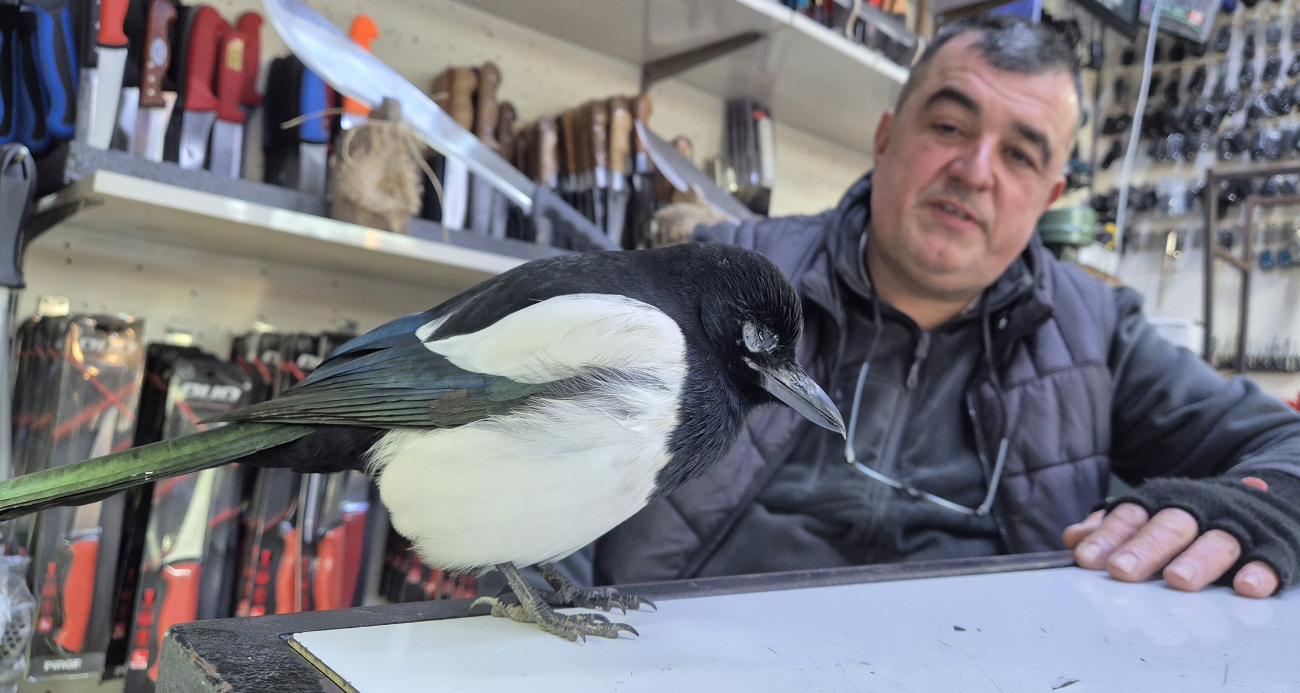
(1007,42)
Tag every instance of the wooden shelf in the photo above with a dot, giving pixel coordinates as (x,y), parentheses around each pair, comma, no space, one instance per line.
(114,203)
(811,77)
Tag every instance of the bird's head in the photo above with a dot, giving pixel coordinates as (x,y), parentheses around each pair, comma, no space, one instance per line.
(753,318)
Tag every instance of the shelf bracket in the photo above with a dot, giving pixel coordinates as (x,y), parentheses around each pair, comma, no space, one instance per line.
(668,66)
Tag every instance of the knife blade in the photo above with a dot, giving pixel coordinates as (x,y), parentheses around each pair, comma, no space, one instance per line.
(460,86)
(228,131)
(363,33)
(507,146)
(250,98)
(598,118)
(486,114)
(154,110)
(642,202)
(620,144)
(200,110)
(683,175)
(101,85)
(356,73)
(179,588)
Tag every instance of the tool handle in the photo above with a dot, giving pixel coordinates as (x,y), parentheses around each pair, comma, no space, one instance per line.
(201,58)
(548,155)
(568,147)
(286,574)
(158,53)
(112,14)
(77,593)
(354,541)
(250,25)
(598,117)
(230,78)
(180,601)
(463,82)
(363,32)
(487,112)
(506,131)
(642,107)
(313,98)
(327,581)
(620,134)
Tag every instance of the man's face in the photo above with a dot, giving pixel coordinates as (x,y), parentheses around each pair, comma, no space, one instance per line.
(965,169)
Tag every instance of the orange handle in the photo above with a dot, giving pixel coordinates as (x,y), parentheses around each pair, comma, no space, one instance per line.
(354,525)
(286,580)
(180,602)
(363,32)
(327,582)
(112,13)
(78,591)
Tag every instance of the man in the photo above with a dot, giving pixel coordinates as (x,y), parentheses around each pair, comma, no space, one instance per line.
(990,389)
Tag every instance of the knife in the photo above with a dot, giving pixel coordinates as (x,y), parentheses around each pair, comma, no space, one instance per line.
(313,135)
(507,146)
(178,589)
(228,130)
(250,24)
(358,74)
(548,173)
(329,574)
(568,179)
(620,144)
(363,33)
(598,121)
(200,111)
(460,85)
(485,125)
(643,201)
(154,111)
(683,175)
(101,81)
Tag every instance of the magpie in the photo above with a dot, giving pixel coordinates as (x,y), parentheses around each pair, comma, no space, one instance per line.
(522,419)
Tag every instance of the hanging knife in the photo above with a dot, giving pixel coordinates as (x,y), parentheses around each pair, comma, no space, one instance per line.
(356,73)
(507,146)
(228,131)
(101,84)
(643,200)
(568,161)
(548,172)
(670,161)
(313,135)
(250,99)
(485,125)
(620,143)
(598,121)
(363,33)
(178,587)
(155,107)
(200,68)
(460,86)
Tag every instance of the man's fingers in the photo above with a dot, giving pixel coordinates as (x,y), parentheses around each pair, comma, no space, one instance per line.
(1205,561)
(1116,528)
(1255,579)
(1168,533)
(1076,532)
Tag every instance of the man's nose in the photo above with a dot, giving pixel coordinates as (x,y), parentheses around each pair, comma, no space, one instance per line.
(973,165)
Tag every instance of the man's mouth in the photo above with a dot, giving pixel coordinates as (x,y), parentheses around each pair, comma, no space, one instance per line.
(956,211)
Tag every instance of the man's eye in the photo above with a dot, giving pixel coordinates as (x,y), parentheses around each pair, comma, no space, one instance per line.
(945,128)
(1022,158)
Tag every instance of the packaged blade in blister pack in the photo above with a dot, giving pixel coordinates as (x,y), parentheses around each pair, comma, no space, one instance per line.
(92,404)
(189,546)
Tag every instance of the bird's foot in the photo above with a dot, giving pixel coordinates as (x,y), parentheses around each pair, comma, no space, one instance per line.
(567,626)
(565,593)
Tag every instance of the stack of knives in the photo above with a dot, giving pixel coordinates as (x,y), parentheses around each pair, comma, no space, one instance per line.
(751,156)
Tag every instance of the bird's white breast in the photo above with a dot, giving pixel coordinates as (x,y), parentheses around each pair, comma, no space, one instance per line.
(544,480)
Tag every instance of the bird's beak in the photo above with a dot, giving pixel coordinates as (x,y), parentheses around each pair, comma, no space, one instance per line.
(791,385)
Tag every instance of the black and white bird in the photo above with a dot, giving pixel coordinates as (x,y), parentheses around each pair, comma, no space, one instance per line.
(519,421)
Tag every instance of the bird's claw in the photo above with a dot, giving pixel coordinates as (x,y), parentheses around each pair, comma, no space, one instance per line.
(571,627)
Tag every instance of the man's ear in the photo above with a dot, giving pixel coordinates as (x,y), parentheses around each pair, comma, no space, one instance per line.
(883,131)
(1055,195)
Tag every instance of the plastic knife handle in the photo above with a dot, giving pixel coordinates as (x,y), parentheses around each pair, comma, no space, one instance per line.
(201,58)
(463,82)
(363,32)
(506,131)
(487,113)
(250,25)
(313,98)
(327,580)
(157,53)
(230,78)
(620,134)
(112,14)
(77,592)
(598,117)
(548,155)
(286,574)
(180,601)
(354,536)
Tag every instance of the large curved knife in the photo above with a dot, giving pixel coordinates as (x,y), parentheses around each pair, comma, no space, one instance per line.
(331,53)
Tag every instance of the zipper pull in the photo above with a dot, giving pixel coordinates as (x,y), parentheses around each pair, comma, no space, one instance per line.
(922,350)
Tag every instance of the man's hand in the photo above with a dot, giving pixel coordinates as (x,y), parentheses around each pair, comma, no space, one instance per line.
(1132,546)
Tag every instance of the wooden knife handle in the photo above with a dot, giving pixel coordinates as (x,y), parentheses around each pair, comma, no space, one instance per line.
(506,132)
(620,134)
(230,78)
(462,84)
(487,113)
(250,23)
(201,58)
(157,53)
(642,107)
(568,164)
(598,120)
(112,14)
(548,163)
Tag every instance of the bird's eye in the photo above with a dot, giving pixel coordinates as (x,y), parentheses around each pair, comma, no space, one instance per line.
(758,338)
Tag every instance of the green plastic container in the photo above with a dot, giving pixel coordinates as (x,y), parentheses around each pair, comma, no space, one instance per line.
(1068,226)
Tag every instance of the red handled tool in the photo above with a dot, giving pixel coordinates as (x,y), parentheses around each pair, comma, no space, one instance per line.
(205,36)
